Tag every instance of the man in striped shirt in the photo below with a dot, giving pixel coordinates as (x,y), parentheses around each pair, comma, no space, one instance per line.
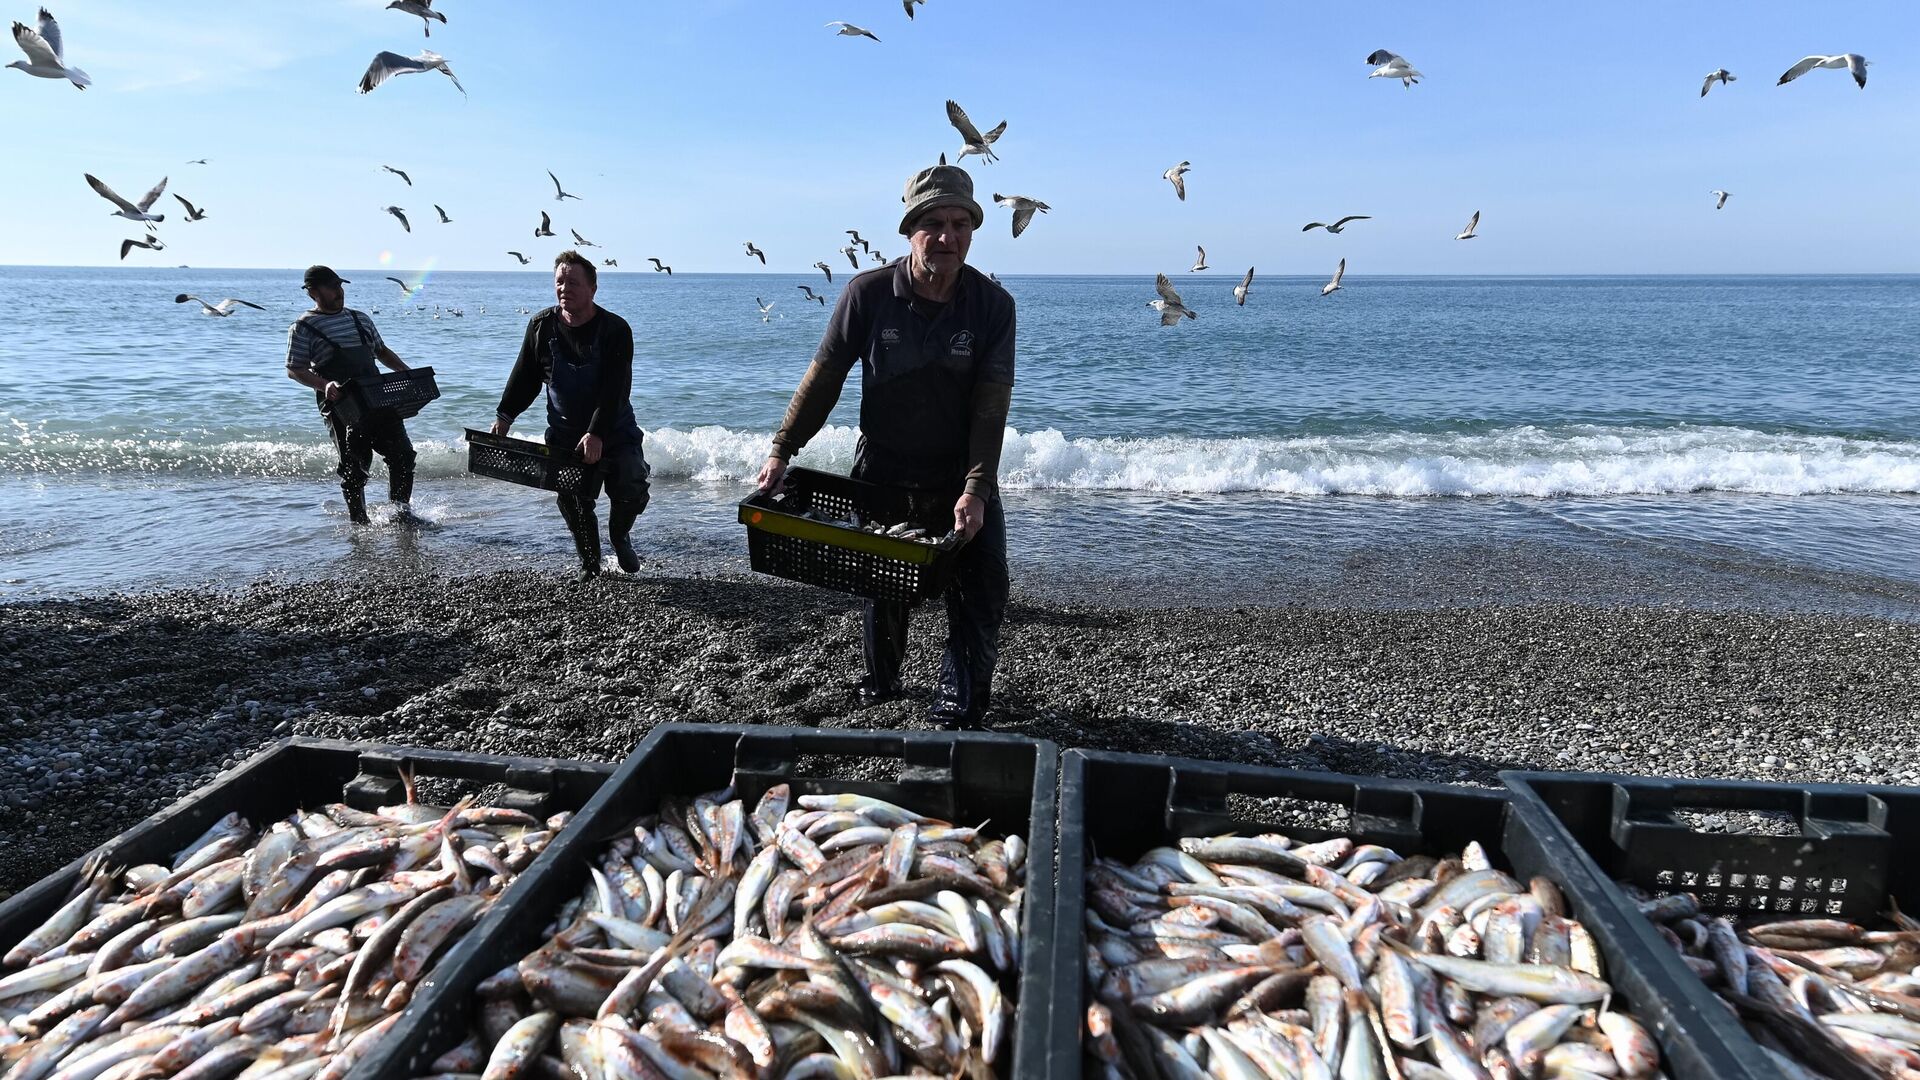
(328,345)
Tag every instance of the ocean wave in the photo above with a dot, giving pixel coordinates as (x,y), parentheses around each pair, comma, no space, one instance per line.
(1523,461)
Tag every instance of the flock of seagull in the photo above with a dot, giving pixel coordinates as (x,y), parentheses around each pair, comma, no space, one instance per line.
(46,58)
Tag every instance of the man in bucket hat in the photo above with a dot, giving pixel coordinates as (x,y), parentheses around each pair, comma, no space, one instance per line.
(328,345)
(935,340)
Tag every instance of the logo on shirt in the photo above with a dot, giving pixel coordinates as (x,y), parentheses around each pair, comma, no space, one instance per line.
(961,344)
(889,335)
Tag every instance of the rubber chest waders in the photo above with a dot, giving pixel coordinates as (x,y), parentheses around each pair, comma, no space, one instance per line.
(354,361)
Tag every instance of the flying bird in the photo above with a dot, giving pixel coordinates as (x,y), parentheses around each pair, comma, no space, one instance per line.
(130,211)
(847,29)
(1023,209)
(825,269)
(220,310)
(1719,75)
(1721,204)
(1472,224)
(752,251)
(399,213)
(444,219)
(1169,305)
(811,295)
(874,254)
(581,240)
(389,64)
(615,263)
(523,259)
(975,143)
(193,213)
(1336,226)
(198,161)
(855,233)
(46,56)
(1392,66)
(561,194)
(853,255)
(1240,290)
(765,308)
(546,225)
(151,243)
(1333,286)
(399,174)
(659,266)
(1854,63)
(405,289)
(908,4)
(1177,176)
(422,8)
(1199,261)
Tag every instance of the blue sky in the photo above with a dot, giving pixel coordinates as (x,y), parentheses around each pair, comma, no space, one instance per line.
(1578,130)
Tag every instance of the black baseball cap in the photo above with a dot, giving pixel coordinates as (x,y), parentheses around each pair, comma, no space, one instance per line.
(322,275)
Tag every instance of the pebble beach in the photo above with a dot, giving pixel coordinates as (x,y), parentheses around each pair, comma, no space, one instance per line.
(112,706)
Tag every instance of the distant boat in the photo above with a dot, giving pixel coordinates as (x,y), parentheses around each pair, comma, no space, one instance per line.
(183,266)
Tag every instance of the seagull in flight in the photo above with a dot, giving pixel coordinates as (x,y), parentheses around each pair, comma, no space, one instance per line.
(151,243)
(561,194)
(1240,290)
(388,64)
(193,213)
(1023,209)
(444,219)
(976,143)
(1169,305)
(581,240)
(1392,66)
(1472,224)
(825,269)
(908,4)
(1333,286)
(874,254)
(220,310)
(765,308)
(422,8)
(1177,176)
(46,57)
(1721,196)
(1854,63)
(131,211)
(752,251)
(198,161)
(855,233)
(546,225)
(523,259)
(615,263)
(1200,261)
(399,174)
(853,255)
(811,295)
(405,289)
(399,213)
(659,266)
(1336,226)
(847,29)
(1719,75)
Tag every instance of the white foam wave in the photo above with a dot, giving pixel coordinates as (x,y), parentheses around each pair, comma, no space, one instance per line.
(1525,461)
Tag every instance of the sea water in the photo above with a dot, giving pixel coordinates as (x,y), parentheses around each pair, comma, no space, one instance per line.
(1763,426)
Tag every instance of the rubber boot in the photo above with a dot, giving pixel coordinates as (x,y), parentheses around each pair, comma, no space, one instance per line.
(620,518)
(400,492)
(585,526)
(356,503)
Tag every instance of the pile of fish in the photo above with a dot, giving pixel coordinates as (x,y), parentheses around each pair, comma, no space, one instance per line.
(1237,957)
(1823,997)
(844,937)
(286,953)
(902,530)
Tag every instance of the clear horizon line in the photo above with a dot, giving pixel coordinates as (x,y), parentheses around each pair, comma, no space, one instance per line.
(1049,274)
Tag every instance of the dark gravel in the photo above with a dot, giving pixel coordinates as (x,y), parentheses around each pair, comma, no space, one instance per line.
(111,707)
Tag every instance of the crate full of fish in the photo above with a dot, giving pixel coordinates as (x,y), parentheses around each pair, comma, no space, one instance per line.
(1778,907)
(282,919)
(760,901)
(405,393)
(533,464)
(872,540)
(1236,921)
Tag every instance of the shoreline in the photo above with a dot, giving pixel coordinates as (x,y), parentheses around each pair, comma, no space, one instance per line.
(116,704)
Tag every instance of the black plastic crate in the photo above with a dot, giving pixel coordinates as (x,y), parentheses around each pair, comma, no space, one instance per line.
(404,392)
(535,464)
(1833,855)
(1121,805)
(304,773)
(784,542)
(1005,780)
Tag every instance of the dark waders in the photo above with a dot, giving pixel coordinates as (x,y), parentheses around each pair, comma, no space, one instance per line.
(623,468)
(380,431)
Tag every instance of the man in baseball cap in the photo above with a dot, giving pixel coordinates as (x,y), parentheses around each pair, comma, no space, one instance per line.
(935,341)
(328,345)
